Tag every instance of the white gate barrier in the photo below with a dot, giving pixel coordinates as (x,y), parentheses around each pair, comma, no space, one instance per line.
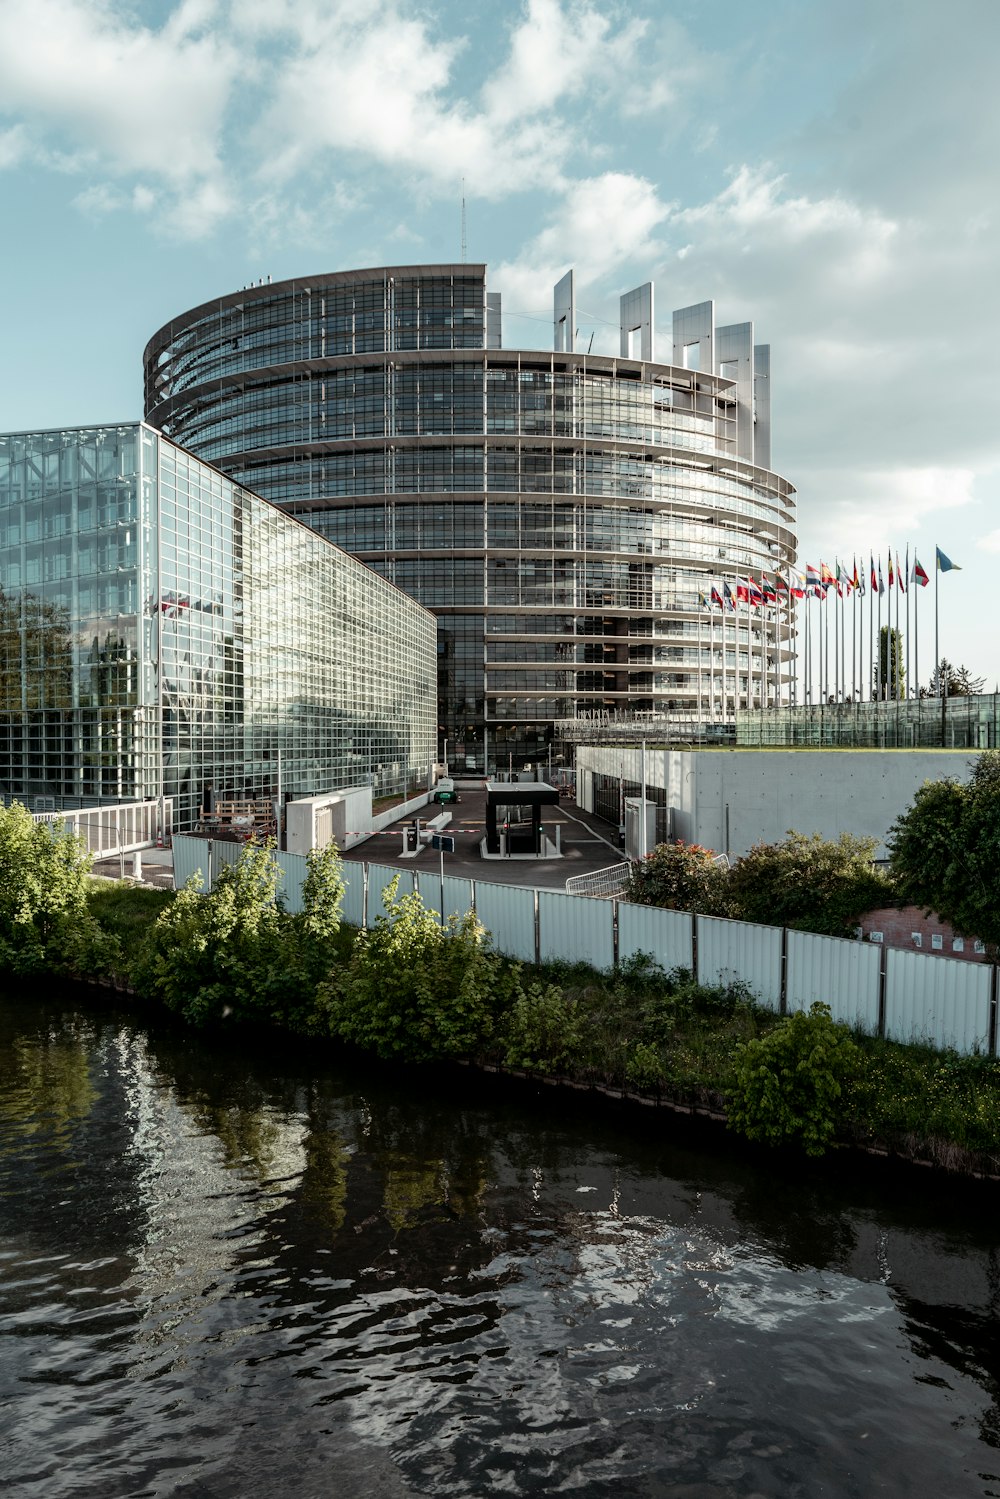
(943,1001)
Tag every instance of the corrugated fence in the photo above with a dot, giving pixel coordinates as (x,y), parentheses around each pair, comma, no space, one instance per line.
(905,996)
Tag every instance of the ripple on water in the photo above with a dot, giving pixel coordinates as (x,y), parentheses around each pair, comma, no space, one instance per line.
(176,1319)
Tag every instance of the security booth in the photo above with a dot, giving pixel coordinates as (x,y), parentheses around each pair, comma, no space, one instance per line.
(514,813)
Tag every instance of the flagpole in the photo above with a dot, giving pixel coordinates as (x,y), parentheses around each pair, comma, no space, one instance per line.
(711,661)
(937,645)
(792,621)
(878,657)
(916,633)
(809,646)
(908,677)
(727,598)
(843,647)
(854,631)
(871,628)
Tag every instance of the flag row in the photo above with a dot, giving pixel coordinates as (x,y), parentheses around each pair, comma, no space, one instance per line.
(817,582)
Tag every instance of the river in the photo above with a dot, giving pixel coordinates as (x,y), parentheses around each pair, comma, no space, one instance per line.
(232,1269)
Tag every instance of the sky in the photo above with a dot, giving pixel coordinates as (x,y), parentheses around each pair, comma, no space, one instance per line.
(827,168)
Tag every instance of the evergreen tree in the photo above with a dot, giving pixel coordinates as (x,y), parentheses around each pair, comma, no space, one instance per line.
(890,673)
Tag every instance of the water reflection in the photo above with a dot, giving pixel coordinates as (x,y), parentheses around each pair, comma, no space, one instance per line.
(223,1274)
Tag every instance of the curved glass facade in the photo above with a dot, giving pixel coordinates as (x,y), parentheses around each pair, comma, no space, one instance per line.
(563,514)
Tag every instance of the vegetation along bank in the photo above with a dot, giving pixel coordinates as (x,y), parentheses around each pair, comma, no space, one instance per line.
(408,990)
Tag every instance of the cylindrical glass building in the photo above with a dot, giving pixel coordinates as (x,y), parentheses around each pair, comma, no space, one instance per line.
(566,516)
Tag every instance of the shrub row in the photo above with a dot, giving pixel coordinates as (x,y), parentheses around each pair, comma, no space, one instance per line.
(812,884)
(411,990)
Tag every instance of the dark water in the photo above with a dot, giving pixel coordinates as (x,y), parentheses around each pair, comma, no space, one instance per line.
(235,1271)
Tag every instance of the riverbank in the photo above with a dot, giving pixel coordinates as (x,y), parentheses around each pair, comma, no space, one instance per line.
(655,1041)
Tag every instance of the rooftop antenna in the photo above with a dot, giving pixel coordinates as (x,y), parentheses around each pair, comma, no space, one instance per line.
(463,222)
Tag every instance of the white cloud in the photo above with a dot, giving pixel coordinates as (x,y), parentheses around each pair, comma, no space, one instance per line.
(755,215)
(601,225)
(375,80)
(375,84)
(13,146)
(99,199)
(134,99)
(877,506)
(559,51)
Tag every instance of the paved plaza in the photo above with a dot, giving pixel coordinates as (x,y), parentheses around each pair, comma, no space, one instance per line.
(587,844)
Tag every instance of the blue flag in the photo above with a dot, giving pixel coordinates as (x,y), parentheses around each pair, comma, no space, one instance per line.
(945,564)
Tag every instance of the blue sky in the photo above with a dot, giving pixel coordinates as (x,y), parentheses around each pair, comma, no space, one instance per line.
(826,167)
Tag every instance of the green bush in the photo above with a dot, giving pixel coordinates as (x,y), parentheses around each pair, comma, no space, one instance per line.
(413,990)
(789,1085)
(45,920)
(236,953)
(679,876)
(541,1029)
(813,884)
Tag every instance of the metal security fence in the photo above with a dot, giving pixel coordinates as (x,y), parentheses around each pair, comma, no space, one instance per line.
(904,996)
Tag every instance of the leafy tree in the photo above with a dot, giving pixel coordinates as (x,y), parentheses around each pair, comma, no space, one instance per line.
(415,990)
(541,1030)
(236,952)
(210,956)
(890,673)
(952,681)
(679,876)
(811,883)
(944,852)
(789,1084)
(45,923)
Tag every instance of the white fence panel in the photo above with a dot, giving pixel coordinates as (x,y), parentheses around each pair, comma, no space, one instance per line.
(841,973)
(739,952)
(508,913)
(190,857)
(353,909)
(455,896)
(293,875)
(576,928)
(941,1000)
(379,876)
(667,935)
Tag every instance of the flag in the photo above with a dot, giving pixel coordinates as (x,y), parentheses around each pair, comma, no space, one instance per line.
(717,597)
(796,583)
(945,564)
(780,584)
(892,578)
(754,594)
(702,600)
(857,582)
(812,575)
(899,575)
(728,595)
(742,591)
(871,559)
(825,575)
(918,575)
(881,585)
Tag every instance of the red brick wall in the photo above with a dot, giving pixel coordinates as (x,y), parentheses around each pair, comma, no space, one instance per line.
(898,924)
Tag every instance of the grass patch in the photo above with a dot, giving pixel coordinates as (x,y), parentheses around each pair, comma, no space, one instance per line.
(126,911)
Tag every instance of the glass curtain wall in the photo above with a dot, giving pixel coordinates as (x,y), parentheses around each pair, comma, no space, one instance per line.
(164,631)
